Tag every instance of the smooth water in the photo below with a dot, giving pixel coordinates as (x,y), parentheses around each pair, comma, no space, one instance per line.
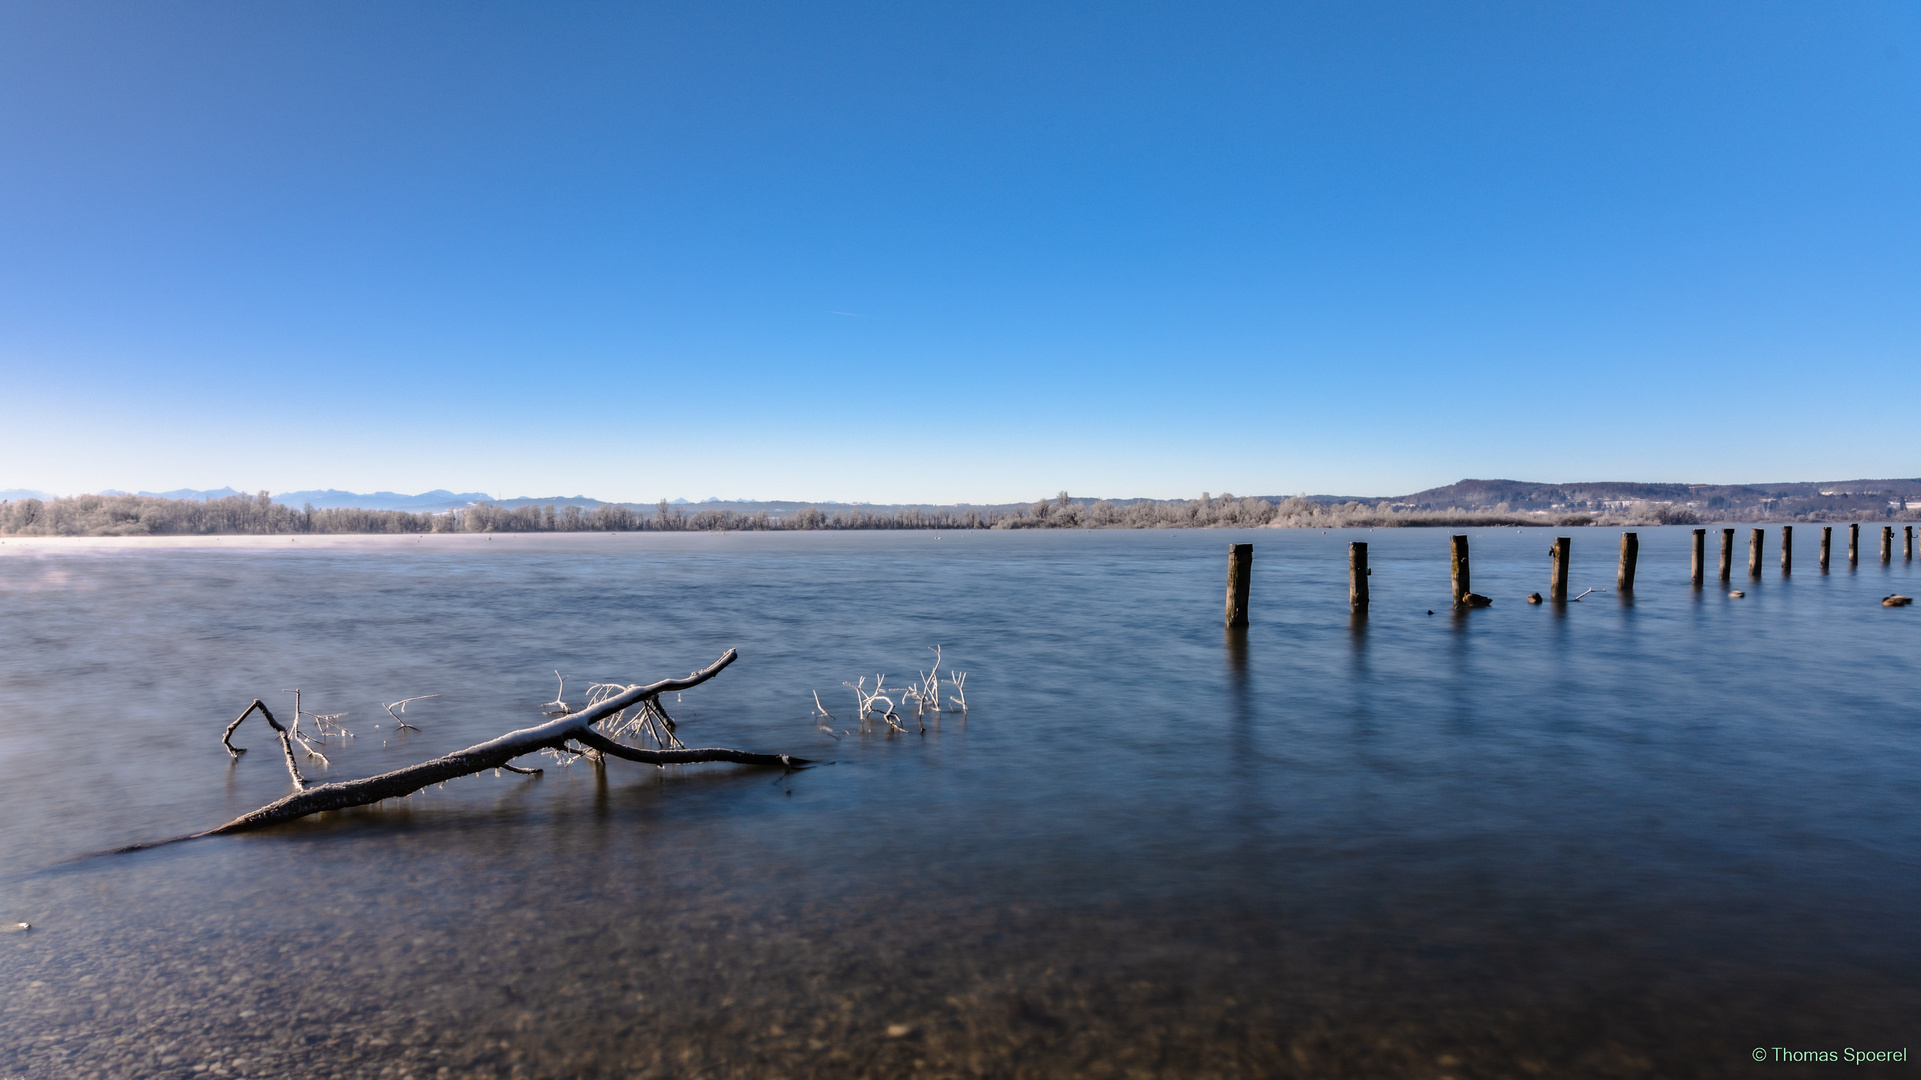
(1605,839)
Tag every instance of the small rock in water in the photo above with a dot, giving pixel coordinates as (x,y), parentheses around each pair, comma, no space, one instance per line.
(1533,598)
(1897,600)
(1736,594)
(1474,600)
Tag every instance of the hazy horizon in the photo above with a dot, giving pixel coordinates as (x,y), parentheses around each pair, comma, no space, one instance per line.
(450,497)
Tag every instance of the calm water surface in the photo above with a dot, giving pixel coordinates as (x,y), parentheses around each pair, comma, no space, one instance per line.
(1607,840)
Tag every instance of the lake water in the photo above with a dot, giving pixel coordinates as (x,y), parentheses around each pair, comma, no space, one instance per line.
(1608,839)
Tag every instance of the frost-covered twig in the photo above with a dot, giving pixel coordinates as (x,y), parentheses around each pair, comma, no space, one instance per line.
(822,716)
(558,706)
(394,709)
(648,720)
(567,731)
(924,694)
(325,727)
(867,701)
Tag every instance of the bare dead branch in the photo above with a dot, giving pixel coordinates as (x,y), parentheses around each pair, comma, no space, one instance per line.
(394,709)
(286,739)
(493,754)
(558,706)
(593,741)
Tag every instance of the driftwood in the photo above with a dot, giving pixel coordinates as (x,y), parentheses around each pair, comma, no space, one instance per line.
(575,727)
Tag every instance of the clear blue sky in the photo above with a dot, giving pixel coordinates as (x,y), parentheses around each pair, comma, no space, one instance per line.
(956,252)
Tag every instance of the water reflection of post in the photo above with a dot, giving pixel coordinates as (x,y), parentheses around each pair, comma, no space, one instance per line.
(1247,812)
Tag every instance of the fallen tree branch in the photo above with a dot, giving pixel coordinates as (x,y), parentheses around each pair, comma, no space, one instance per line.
(493,754)
(593,741)
(286,739)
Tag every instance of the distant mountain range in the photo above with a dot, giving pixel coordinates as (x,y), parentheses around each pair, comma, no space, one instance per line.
(1835,497)
(427,502)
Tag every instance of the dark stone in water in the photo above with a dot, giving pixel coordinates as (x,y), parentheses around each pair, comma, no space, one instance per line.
(1897,600)
(1533,598)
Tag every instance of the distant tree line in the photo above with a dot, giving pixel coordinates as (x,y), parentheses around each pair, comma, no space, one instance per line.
(139,515)
(144,515)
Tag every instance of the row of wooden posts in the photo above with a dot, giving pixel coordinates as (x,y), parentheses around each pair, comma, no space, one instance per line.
(1240,564)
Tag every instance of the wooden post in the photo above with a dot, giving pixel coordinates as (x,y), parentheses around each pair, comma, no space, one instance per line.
(1557,570)
(1457,562)
(1907,543)
(1630,549)
(1727,553)
(1787,550)
(1698,568)
(1827,541)
(1854,543)
(1240,572)
(1755,538)
(1357,578)
(1887,544)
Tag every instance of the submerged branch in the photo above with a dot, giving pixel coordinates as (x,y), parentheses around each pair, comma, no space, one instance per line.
(286,739)
(493,754)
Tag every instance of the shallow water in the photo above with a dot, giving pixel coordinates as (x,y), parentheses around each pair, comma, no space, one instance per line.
(1608,839)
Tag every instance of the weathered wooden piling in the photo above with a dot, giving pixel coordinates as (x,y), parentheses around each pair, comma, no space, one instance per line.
(1755,538)
(1357,578)
(1457,564)
(1907,543)
(1727,553)
(1698,567)
(1557,570)
(1854,543)
(1827,541)
(1787,550)
(1630,550)
(1240,574)
(1887,544)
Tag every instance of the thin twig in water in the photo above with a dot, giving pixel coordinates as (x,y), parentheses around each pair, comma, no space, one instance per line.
(558,706)
(396,708)
(324,727)
(822,716)
(925,694)
(867,700)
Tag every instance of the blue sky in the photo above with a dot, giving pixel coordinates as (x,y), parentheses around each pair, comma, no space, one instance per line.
(956,252)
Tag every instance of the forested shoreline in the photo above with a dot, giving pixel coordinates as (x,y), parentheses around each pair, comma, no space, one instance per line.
(136,515)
